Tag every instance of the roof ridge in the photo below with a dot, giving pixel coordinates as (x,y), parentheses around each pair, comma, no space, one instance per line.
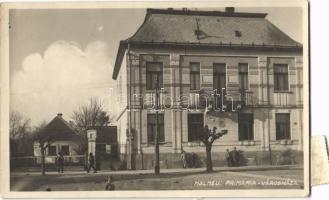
(66,124)
(61,120)
(205,13)
(281,32)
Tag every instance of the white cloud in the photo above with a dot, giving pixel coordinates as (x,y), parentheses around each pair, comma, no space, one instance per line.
(61,79)
(100,28)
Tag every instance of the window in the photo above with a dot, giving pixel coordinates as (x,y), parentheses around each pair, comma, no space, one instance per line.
(195,76)
(219,72)
(151,127)
(52,151)
(243,77)
(153,72)
(195,127)
(108,148)
(65,150)
(281,77)
(246,126)
(282,124)
(219,82)
(238,33)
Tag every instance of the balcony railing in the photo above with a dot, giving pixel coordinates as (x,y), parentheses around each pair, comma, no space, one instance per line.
(150,99)
(247,98)
(281,99)
(194,100)
(201,100)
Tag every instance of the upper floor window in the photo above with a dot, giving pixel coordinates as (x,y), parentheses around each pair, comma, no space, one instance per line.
(195,76)
(243,77)
(195,127)
(219,78)
(154,72)
(282,124)
(151,127)
(281,77)
(246,126)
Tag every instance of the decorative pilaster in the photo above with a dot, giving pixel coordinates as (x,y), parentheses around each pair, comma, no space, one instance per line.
(135,81)
(175,95)
(300,132)
(263,84)
(299,79)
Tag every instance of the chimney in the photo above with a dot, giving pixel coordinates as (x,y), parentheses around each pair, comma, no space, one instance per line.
(229,9)
(59,115)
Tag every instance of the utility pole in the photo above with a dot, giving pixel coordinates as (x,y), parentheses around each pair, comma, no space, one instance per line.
(156,139)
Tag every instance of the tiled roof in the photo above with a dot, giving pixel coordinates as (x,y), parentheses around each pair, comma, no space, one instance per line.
(202,27)
(189,28)
(59,129)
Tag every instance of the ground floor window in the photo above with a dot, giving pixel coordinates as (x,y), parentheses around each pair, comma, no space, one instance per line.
(52,151)
(246,126)
(151,127)
(65,150)
(195,127)
(282,125)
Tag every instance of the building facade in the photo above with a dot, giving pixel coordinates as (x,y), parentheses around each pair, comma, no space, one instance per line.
(228,70)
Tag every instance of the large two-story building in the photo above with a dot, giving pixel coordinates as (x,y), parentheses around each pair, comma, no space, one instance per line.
(233,70)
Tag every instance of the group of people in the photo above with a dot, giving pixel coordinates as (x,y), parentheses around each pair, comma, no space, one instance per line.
(232,157)
(90,164)
(189,161)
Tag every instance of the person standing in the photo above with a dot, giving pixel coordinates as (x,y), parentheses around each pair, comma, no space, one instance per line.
(183,158)
(91,162)
(194,160)
(235,157)
(60,162)
(86,162)
(228,158)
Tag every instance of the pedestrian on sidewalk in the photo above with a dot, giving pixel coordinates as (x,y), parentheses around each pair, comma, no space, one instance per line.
(235,157)
(228,158)
(194,160)
(60,162)
(109,185)
(86,163)
(183,158)
(91,162)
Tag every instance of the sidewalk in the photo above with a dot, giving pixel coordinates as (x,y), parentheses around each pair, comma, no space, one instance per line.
(175,170)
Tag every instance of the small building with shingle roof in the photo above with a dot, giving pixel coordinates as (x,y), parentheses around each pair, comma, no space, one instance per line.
(62,138)
(231,70)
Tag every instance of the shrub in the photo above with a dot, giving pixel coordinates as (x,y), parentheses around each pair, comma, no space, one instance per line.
(286,157)
(243,161)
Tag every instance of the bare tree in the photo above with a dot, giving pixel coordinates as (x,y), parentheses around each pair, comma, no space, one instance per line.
(18,133)
(208,137)
(44,140)
(90,115)
(18,125)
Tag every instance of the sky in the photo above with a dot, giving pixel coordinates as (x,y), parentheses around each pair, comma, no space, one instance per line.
(60,58)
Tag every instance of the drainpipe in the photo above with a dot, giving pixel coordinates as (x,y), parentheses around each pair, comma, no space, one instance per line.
(129,146)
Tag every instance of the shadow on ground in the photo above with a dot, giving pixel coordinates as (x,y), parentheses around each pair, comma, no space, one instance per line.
(36,182)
